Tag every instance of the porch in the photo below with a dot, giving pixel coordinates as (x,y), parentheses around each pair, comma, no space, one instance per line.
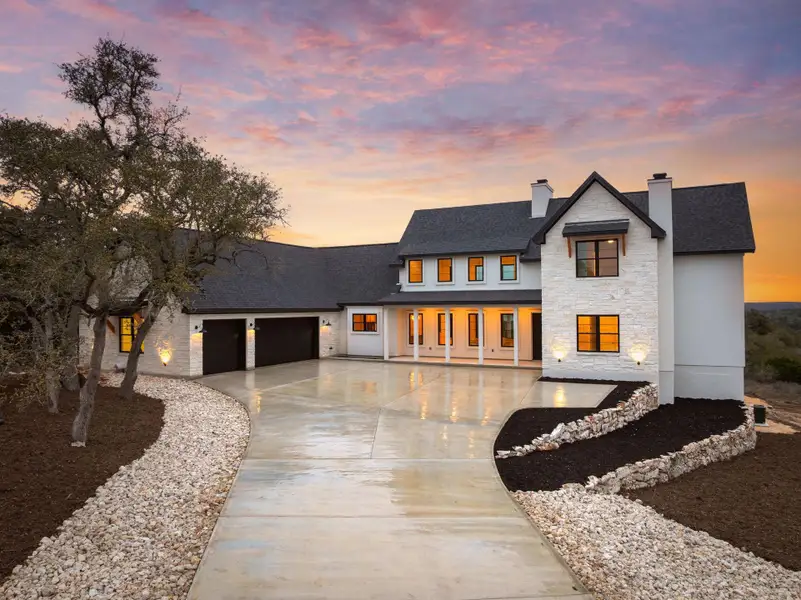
(470,362)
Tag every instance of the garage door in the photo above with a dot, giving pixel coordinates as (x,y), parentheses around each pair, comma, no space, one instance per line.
(223,345)
(286,340)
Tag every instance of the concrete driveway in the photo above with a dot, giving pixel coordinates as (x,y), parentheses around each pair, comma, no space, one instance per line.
(376,480)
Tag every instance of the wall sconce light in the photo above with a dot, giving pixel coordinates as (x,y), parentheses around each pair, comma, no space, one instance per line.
(165,355)
(638,352)
(200,329)
(558,351)
(326,323)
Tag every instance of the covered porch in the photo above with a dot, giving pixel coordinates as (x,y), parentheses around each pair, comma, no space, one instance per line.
(488,362)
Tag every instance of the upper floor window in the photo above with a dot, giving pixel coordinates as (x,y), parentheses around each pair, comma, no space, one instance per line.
(419,328)
(128,329)
(597,258)
(507,330)
(445,269)
(598,333)
(508,268)
(365,322)
(475,268)
(416,271)
(441,329)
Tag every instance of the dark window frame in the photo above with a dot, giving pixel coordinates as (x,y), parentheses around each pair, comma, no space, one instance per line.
(410,333)
(441,328)
(484,327)
(596,260)
(450,270)
(364,322)
(470,274)
(500,262)
(512,315)
(597,335)
(409,270)
(132,335)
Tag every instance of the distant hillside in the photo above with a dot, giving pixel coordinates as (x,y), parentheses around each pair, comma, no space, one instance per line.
(771,306)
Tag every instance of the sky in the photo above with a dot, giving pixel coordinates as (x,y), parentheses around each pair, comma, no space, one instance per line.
(362,111)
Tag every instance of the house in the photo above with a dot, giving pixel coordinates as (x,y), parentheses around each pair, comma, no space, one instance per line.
(645,285)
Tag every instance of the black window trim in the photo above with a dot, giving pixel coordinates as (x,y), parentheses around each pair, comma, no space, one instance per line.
(364,322)
(451,270)
(597,259)
(133,334)
(484,323)
(500,263)
(440,326)
(483,269)
(502,315)
(409,272)
(409,334)
(598,328)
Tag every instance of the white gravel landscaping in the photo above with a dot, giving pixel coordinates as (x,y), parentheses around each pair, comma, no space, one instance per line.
(142,535)
(621,550)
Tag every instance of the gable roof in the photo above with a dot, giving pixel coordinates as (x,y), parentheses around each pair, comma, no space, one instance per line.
(656,230)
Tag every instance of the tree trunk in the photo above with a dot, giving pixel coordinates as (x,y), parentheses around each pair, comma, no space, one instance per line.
(132,366)
(51,375)
(70,378)
(80,426)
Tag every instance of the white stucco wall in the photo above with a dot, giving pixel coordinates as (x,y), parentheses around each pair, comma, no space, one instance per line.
(363,343)
(710,326)
(528,275)
(633,295)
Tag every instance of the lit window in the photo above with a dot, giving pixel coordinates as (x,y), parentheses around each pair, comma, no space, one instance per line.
(365,322)
(444,269)
(416,271)
(475,268)
(128,329)
(441,329)
(507,330)
(419,328)
(472,329)
(598,333)
(597,258)
(508,268)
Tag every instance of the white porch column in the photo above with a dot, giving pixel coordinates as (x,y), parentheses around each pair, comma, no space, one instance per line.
(385,332)
(516,333)
(447,334)
(480,335)
(416,336)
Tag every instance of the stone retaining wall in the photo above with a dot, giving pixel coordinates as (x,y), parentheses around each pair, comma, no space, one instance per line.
(597,424)
(647,473)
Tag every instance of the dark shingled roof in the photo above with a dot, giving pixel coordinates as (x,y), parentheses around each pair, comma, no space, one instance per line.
(595,227)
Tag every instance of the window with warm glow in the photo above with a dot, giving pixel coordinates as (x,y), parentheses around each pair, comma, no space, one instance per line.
(475,268)
(419,328)
(441,329)
(128,329)
(597,258)
(472,329)
(444,269)
(507,330)
(508,268)
(416,271)
(598,333)
(365,322)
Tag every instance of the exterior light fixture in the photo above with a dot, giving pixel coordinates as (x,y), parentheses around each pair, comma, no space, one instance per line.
(200,329)
(638,352)
(559,352)
(165,355)
(325,325)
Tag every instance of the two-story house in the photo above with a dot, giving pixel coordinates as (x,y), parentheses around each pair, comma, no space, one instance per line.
(638,286)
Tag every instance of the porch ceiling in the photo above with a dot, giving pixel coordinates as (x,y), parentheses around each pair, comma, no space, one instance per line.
(463,297)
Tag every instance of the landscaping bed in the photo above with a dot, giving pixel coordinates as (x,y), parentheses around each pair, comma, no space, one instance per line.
(43,480)
(751,501)
(666,429)
(525,424)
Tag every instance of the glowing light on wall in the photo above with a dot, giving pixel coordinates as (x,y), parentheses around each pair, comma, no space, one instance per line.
(558,350)
(638,352)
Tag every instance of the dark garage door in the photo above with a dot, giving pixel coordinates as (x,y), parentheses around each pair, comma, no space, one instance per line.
(286,340)
(223,345)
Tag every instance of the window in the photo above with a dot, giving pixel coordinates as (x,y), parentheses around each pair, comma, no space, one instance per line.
(472,330)
(508,268)
(444,269)
(507,330)
(475,268)
(441,329)
(598,333)
(419,328)
(597,258)
(365,322)
(416,271)
(128,329)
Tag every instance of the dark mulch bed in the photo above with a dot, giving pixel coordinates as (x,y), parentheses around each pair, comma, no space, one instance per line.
(43,480)
(528,423)
(666,429)
(752,501)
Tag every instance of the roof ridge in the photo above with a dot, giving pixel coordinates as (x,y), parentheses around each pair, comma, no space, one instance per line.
(354,245)
(471,205)
(693,187)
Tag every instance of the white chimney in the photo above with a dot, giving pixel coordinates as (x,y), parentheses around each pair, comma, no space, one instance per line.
(541,193)
(660,209)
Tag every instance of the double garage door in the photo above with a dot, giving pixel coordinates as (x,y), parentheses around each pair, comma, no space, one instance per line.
(278,341)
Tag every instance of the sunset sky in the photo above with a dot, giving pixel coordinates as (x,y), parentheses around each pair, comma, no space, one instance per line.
(365,110)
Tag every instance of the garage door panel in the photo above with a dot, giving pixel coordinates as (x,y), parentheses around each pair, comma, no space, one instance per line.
(283,340)
(224,345)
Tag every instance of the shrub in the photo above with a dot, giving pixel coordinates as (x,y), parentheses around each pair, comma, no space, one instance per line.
(786,368)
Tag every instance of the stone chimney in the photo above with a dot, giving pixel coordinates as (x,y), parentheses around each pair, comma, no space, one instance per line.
(541,193)
(660,209)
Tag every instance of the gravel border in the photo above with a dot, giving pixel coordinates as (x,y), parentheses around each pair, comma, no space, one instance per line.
(144,532)
(622,550)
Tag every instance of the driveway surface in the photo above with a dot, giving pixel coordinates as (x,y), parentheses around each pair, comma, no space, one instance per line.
(376,480)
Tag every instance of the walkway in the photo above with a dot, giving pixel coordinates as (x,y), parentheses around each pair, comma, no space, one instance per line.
(375,480)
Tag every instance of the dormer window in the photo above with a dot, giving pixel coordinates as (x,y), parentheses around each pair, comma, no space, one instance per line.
(509,268)
(444,270)
(416,271)
(597,258)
